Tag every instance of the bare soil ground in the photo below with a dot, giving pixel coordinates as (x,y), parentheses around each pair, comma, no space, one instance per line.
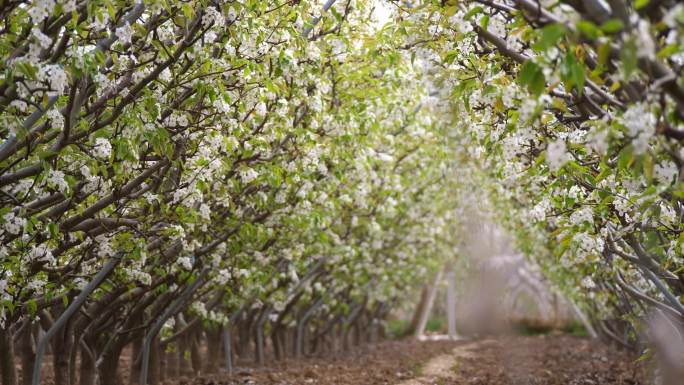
(533,360)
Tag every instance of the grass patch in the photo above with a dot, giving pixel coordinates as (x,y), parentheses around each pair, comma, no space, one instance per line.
(435,325)
(398,328)
(575,328)
(418,369)
(532,330)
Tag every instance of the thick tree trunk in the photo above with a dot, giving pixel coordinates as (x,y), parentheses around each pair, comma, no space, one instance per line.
(9,375)
(155,364)
(136,350)
(87,371)
(61,349)
(108,369)
(163,363)
(28,354)
(73,355)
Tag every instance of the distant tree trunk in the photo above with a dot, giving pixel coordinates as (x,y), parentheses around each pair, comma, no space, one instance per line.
(259,336)
(425,311)
(276,345)
(245,334)
(258,345)
(213,349)
(195,356)
(184,367)
(424,294)
(172,363)
(227,349)
(357,333)
(302,326)
(451,304)
(9,375)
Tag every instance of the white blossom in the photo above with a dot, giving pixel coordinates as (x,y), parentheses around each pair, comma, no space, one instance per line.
(102,148)
(212,15)
(640,123)
(185,263)
(248,175)
(69,6)
(40,9)
(205,211)
(56,118)
(41,253)
(13,224)
(584,215)
(125,33)
(645,46)
(43,40)
(665,172)
(260,109)
(56,179)
(55,76)
(104,247)
(557,155)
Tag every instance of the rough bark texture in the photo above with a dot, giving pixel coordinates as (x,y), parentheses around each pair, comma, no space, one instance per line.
(87,370)
(108,370)
(155,366)
(61,347)
(27,354)
(9,375)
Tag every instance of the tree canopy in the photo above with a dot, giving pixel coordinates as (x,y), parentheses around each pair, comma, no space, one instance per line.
(294,158)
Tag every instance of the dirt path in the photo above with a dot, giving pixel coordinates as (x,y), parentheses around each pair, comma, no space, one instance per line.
(541,360)
(536,360)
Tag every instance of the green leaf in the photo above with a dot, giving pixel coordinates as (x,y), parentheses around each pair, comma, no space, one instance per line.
(484,22)
(549,36)
(638,4)
(31,306)
(54,230)
(472,13)
(625,158)
(668,51)
(450,11)
(647,165)
(578,76)
(531,75)
(450,57)
(188,11)
(612,26)
(588,29)
(628,55)
(572,73)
